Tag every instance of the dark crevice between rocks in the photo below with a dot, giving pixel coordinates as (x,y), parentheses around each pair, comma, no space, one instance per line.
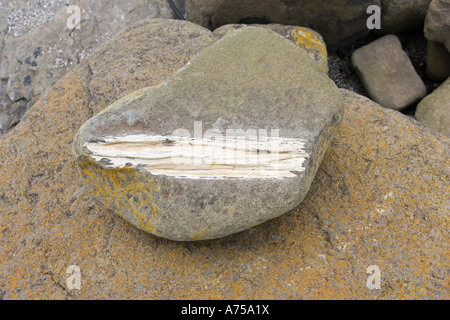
(254,20)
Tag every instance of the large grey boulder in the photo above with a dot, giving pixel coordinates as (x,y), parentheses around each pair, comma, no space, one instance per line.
(335,20)
(388,74)
(231,140)
(434,109)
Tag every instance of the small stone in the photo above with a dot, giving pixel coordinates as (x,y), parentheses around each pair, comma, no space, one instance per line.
(434,109)
(437,22)
(388,74)
(305,38)
(438,61)
(231,140)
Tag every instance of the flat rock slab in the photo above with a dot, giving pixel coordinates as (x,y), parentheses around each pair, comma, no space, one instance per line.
(434,109)
(380,197)
(231,140)
(388,74)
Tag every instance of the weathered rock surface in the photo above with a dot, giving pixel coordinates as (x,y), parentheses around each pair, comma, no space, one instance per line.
(305,38)
(437,22)
(388,74)
(380,198)
(434,109)
(438,61)
(402,15)
(210,185)
(336,21)
(31,63)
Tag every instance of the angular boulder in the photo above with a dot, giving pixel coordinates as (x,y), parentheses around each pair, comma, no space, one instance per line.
(231,140)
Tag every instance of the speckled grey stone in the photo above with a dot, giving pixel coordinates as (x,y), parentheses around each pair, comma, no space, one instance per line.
(402,15)
(37,48)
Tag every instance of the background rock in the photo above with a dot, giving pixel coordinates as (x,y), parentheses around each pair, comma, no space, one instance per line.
(253,79)
(434,109)
(38,49)
(305,38)
(437,22)
(380,198)
(388,74)
(402,15)
(336,21)
(438,61)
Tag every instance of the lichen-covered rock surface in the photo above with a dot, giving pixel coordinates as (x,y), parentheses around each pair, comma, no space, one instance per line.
(380,198)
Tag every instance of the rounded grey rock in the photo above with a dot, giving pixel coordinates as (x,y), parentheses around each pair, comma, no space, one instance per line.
(229,141)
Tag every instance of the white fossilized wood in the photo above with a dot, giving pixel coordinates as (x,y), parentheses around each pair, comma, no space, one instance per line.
(215,157)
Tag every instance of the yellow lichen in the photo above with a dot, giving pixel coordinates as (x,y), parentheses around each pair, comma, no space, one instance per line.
(125,191)
(315,48)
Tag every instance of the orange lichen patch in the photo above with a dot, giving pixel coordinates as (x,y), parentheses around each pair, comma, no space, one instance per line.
(123,190)
(314,46)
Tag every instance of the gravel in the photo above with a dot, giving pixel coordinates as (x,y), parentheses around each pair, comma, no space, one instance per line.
(23,16)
